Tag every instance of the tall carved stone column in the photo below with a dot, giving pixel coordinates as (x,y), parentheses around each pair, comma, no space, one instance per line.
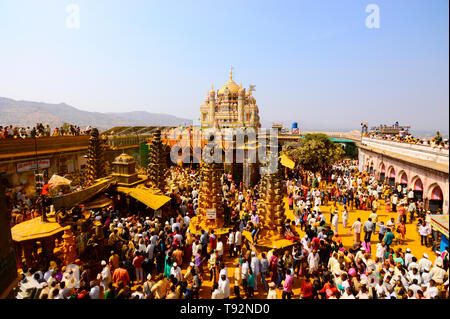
(271,205)
(96,158)
(157,164)
(210,196)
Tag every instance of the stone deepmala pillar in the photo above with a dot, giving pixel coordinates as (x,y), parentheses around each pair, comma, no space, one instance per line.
(96,158)
(157,164)
(210,196)
(271,206)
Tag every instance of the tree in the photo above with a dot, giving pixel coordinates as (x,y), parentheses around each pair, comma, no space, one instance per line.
(351,151)
(315,152)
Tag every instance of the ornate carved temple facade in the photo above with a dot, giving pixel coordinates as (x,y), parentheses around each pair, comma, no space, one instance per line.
(230,107)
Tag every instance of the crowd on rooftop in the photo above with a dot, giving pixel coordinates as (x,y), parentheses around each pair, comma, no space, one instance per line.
(404,136)
(139,256)
(40,130)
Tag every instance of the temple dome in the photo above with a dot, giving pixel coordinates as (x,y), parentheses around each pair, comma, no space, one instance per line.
(231,86)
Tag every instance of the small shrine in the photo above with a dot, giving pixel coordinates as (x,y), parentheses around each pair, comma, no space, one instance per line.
(124,170)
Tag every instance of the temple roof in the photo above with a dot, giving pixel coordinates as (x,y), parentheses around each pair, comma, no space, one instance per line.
(123,158)
(232,86)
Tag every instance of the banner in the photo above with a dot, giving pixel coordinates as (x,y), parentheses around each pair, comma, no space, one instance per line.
(210,213)
(32,165)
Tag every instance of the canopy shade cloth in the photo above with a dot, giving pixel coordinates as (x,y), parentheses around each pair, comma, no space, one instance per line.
(286,161)
(146,196)
(35,229)
(440,222)
(57,180)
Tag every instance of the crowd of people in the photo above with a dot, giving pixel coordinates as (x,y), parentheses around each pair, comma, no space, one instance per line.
(140,256)
(438,141)
(21,132)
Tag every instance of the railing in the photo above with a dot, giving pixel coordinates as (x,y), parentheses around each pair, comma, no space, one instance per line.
(130,140)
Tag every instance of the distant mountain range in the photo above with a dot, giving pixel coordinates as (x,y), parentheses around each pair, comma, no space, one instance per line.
(26,113)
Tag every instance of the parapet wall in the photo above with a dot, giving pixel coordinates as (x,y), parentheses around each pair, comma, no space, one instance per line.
(422,152)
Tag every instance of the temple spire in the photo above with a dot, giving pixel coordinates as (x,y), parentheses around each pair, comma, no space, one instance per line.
(231,74)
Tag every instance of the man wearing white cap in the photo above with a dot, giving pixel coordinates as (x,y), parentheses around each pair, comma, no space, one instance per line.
(106,277)
(176,272)
(255,266)
(224,285)
(424,263)
(148,284)
(408,258)
(426,276)
(437,273)
(335,221)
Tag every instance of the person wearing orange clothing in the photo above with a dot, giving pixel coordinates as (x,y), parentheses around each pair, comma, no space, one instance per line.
(121,275)
(401,229)
(306,288)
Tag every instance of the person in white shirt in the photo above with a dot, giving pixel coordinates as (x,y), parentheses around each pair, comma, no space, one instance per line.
(94,293)
(322,217)
(344,217)
(408,258)
(432,290)
(335,221)
(305,240)
(414,286)
(223,270)
(217,293)
(413,264)
(348,294)
(437,273)
(381,289)
(224,285)
(106,276)
(196,247)
(230,242)
(356,228)
(381,251)
(187,220)
(414,274)
(426,277)
(363,293)
(424,263)
(244,272)
(219,248)
(272,294)
(255,266)
(333,265)
(313,261)
(424,231)
(176,272)
(138,294)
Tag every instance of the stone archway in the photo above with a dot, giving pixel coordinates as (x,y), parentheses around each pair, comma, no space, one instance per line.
(382,172)
(391,176)
(435,197)
(417,187)
(403,179)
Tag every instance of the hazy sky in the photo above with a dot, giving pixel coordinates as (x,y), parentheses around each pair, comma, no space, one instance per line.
(314,62)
